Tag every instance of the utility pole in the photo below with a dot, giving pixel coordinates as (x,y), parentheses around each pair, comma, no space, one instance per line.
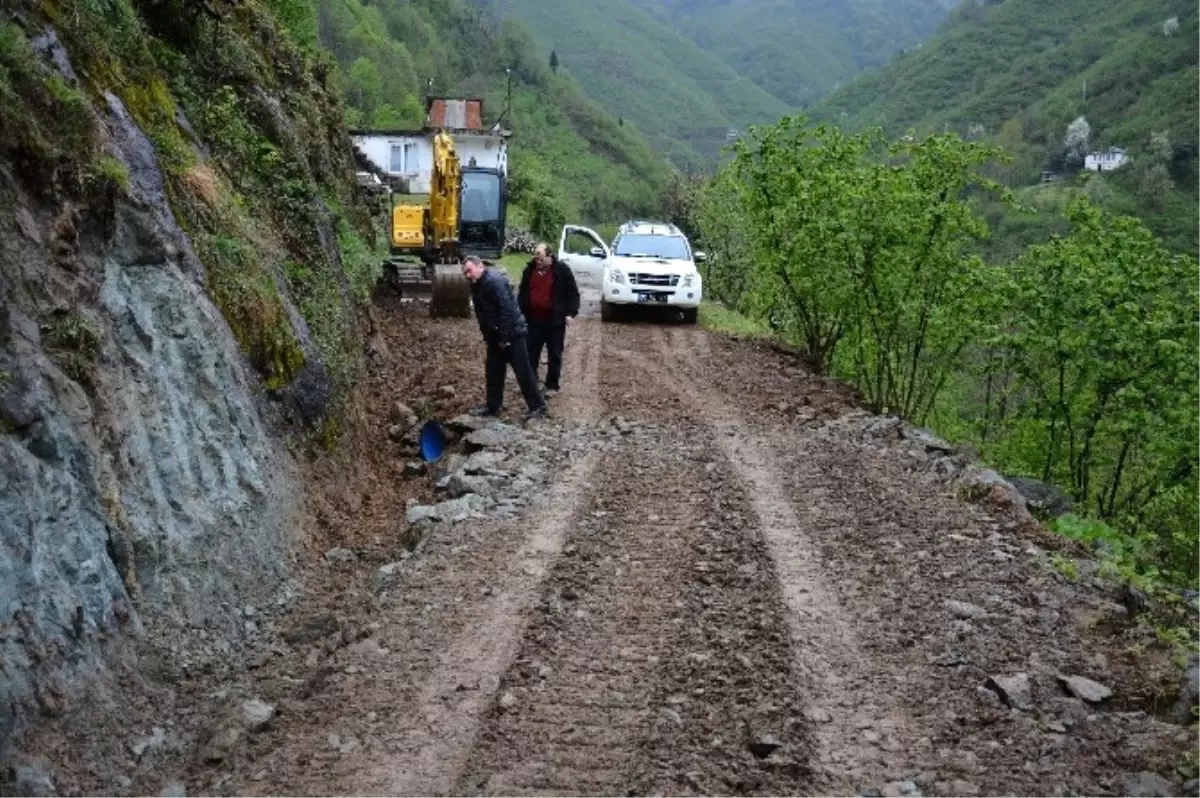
(508,102)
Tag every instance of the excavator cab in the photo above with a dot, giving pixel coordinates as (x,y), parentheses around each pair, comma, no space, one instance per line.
(482,205)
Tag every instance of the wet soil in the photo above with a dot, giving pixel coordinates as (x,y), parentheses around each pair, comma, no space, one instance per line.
(728,588)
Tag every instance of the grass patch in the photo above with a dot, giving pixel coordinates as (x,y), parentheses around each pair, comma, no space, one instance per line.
(718,318)
(362,264)
(241,284)
(44,123)
(108,171)
(513,264)
(75,343)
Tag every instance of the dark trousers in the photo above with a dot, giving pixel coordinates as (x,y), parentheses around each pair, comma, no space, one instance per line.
(498,360)
(553,337)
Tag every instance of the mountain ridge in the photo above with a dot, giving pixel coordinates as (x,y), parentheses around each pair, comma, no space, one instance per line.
(684,100)
(798,50)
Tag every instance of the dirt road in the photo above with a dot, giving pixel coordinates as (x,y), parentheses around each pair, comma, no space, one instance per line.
(734,582)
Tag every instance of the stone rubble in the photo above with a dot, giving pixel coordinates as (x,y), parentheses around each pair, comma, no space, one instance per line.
(1015,691)
(503,468)
(1085,689)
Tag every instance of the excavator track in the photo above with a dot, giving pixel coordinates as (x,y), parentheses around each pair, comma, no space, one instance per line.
(408,276)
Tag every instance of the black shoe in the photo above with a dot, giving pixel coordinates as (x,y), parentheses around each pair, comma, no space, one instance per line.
(483,410)
(551,389)
(537,412)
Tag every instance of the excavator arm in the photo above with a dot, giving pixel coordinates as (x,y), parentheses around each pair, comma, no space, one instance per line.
(444,186)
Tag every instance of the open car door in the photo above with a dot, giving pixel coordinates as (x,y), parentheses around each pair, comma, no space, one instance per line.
(582,250)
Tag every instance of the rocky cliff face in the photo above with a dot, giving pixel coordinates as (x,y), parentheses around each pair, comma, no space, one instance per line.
(144,483)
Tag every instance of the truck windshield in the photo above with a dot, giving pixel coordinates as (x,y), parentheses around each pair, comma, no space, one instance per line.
(644,246)
(480,197)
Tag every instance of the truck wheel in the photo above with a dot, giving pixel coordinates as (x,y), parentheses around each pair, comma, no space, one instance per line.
(690,315)
(607,311)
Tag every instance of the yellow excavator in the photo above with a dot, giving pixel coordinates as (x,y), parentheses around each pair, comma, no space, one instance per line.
(465,215)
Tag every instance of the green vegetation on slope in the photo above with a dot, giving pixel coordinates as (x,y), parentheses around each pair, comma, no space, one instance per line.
(1018,72)
(568,158)
(681,98)
(798,50)
(1075,364)
(253,148)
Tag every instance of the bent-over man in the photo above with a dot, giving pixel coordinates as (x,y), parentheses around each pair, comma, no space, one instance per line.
(549,298)
(504,330)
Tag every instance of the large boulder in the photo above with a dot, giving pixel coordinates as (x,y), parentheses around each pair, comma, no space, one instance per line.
(1043,499)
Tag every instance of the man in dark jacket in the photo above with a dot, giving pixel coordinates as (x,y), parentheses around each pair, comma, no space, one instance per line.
(549,298)
(504,331)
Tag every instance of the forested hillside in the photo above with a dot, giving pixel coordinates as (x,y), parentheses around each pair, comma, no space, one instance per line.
(798,50)
(1019,72)
(682,98)
(569,157)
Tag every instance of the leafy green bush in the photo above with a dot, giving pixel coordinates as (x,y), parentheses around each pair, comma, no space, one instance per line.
(1077,364)
(1100,346)
(856,250)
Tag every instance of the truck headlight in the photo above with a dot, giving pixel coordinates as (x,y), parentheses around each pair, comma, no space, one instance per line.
(616,276)
(688,279)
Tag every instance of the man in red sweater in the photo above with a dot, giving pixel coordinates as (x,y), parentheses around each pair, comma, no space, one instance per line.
(549,300)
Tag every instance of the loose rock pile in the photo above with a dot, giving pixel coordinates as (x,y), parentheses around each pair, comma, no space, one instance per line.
(936,460)
(1025,503)
(495,473)
(518,240)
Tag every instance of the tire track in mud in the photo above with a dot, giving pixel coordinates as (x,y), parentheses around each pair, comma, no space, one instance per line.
(855,743)
(581,687)
(444,719)
(660,649)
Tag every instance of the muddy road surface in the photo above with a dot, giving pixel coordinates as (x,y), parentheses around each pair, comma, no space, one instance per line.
(709,572)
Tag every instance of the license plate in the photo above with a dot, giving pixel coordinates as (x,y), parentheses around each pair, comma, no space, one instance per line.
(652,298)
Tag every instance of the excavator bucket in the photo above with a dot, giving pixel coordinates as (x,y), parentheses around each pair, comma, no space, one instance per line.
(451,292)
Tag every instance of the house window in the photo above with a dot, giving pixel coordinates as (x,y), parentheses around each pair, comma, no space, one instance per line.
(403,159)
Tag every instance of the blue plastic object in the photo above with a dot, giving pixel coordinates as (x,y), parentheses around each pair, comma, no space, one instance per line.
(433,441)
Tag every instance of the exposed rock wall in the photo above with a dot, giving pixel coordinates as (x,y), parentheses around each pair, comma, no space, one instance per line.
(139,484)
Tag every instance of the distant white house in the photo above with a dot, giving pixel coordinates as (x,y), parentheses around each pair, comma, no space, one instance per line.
(1106,161)
(407,155)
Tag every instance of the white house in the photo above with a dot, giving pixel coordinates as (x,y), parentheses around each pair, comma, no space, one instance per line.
(408,154)
(1106,161)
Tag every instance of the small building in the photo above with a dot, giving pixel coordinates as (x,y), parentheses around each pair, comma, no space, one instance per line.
(406,156)
(1106,161)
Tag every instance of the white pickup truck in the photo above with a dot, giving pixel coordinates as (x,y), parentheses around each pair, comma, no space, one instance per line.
(649,264)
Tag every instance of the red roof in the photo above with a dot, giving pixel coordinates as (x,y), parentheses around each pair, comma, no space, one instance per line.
(446,112)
